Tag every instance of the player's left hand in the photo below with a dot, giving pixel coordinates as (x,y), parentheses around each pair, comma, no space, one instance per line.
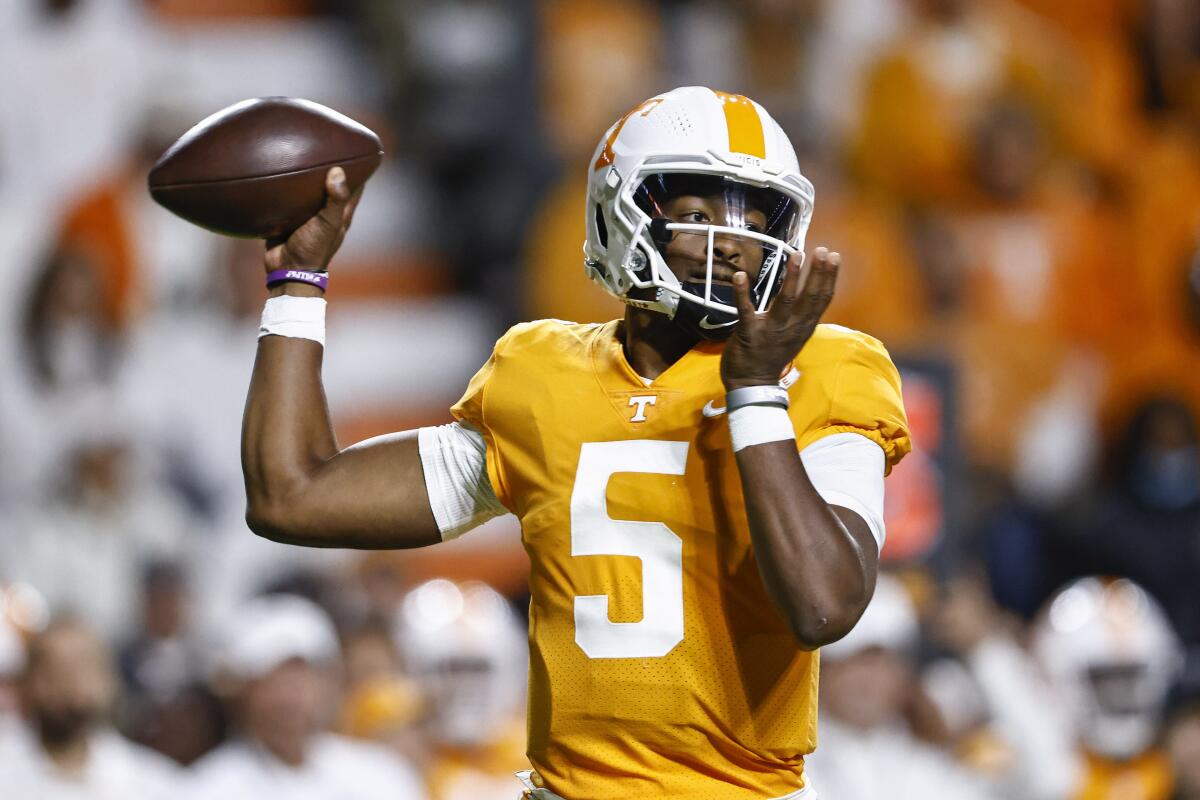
(763,346)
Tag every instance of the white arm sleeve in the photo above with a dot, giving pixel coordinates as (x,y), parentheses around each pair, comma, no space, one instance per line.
(454,458)
(846,469)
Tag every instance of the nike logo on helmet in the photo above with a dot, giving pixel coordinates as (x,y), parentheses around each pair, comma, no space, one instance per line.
(708,326)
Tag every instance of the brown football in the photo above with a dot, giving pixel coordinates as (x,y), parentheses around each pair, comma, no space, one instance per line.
(257,168)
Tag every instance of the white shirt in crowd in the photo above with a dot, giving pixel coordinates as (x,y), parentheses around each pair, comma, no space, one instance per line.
(336,769)
(1026,717)
(116,769)
(88,560)
(887,762)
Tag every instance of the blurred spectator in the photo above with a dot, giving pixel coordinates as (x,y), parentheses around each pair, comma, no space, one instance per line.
(76,65)
(1183,747)
(159,660)
(1172,51)
(1146,525)
(1102,118)
(69,355)
(381,702)
(85,549)
(868,688)
(1009,729)
(166,706)
(463,92)
(926,95)
(1031,281)
(466,650)
(845,42)
(12,663)
(1111,658)
(66,748)
(274,667)
(1163,191)
(601,58)
(882,291)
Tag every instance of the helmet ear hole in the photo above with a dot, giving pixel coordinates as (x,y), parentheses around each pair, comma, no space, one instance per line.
(640,263)
(601,227)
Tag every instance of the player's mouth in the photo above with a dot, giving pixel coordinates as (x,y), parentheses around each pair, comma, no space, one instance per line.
(722,275)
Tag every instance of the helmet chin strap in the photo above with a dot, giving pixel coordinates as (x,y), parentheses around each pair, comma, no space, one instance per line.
(715,326)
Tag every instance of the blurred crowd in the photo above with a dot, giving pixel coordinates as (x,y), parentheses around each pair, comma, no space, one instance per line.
(1014,186)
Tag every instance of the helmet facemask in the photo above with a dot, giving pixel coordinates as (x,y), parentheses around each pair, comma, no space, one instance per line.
(705,227)
(1123,707)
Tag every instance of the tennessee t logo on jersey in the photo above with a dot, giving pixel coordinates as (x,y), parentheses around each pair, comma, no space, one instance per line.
(641,402)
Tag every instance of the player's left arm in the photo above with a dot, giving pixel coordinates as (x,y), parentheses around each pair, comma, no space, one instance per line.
(817,560)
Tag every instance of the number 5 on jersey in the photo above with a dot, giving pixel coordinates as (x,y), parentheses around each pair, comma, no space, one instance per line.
(594,533)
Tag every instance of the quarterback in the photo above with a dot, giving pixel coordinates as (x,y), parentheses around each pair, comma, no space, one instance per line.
(699,484)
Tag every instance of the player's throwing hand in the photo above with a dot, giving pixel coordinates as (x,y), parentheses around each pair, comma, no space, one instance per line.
(312,245)
(763,345)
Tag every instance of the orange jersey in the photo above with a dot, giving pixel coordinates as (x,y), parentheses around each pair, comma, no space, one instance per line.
(1146,777)
(659,667)
(480,773)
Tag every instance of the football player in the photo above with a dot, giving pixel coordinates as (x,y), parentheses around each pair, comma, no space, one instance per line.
(463,646)
(699,484)
(1111,654)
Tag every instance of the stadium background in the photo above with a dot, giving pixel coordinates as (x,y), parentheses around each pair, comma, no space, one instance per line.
(1014,185)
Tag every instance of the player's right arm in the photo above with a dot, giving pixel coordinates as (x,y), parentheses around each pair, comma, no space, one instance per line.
(300,488)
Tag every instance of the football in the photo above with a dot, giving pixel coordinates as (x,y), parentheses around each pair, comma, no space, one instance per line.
(257,168)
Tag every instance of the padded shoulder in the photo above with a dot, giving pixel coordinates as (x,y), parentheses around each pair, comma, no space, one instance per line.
(553,333)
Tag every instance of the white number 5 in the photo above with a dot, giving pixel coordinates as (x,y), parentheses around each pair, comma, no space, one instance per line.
(594,533)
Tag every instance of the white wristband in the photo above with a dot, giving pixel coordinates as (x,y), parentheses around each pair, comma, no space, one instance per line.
(295,317)
(751,425)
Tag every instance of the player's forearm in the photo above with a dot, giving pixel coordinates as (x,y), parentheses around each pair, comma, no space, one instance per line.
(818,572)
(286,430)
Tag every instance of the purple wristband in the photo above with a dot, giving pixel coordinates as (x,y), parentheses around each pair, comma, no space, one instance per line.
(318,279)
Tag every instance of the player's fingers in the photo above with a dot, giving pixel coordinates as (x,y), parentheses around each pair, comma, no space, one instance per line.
(348,211)
(822,278)
(790,292)
(335,184)
(337,198)
(273,259)
(741,296)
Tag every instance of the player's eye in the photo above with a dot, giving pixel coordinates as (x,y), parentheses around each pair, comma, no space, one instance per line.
(695,217)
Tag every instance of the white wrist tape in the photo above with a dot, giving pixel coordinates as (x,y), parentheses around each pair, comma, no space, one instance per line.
(295,317)
(752,425)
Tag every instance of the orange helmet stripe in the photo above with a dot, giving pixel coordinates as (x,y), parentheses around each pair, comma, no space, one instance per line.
(744,123)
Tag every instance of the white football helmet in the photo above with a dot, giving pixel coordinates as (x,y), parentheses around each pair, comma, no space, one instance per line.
(693,141)
(463,644)
(1110,652)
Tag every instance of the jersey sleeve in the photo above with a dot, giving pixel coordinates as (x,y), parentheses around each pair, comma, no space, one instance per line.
(472,410)
(864,398)
(454,459)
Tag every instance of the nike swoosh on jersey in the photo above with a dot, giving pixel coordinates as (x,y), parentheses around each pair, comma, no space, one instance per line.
(712,410)
(704,323)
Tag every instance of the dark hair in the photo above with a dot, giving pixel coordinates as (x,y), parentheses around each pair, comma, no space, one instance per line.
(36,319)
